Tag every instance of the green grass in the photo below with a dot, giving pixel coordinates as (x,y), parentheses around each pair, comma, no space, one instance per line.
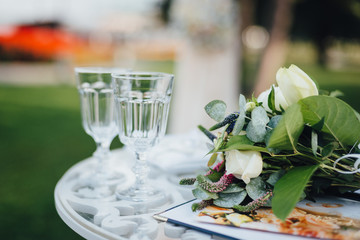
(41,137)
(347,81)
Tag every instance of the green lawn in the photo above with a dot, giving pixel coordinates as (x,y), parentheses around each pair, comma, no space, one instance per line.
(41,137)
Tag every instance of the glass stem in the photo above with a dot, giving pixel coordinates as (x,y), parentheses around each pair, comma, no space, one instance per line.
(101,154)
(141,171)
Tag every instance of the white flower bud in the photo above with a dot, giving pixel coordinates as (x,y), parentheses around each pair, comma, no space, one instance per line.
(279,99)
(295,84)
(249,106)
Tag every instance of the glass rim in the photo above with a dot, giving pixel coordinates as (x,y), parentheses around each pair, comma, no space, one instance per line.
(137,75)
(110,70)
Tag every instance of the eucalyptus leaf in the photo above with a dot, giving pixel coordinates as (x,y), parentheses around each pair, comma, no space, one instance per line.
(274,121)
(259,116)
(242,102)
(256,129)
(255,133)
(216,110)
(202,194)
(239,124)
(256,188)
(233,188)
(274,177)
(287,132)
(340,119)
(288,190)
(228,200)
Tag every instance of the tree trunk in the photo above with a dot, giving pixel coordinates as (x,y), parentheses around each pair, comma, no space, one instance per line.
(275,52)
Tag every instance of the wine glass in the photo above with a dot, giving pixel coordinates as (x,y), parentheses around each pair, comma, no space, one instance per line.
(98,120)
(142,102)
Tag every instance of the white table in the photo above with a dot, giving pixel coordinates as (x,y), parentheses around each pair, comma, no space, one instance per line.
(110,218)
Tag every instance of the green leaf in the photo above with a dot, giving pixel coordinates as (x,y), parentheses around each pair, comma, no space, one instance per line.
(328,149)
(216,110)
(357,115)
(244,147)
(219,142)
(227,200)
(212,160)
(271,99)
(206,132)
(215,176)
(195,206)
(286,134)
(288,190)
(319,125)
(242,143)
(340,119)
(238,140)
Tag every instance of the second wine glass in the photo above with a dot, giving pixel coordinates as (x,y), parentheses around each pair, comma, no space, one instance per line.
(142,102)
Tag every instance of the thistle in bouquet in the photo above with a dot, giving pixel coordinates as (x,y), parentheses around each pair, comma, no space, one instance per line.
(288,144)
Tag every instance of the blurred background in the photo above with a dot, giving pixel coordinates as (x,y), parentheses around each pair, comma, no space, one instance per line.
(216,49)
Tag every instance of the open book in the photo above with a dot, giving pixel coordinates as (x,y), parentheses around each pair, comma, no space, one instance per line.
(327,218)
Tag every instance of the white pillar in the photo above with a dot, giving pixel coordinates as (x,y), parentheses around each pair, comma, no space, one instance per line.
(208,63)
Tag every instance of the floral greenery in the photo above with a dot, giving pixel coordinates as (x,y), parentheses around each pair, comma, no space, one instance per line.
(279,149)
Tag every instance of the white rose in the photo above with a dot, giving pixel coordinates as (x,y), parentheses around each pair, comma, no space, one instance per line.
(279,99)
(243,164)
(295,84)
